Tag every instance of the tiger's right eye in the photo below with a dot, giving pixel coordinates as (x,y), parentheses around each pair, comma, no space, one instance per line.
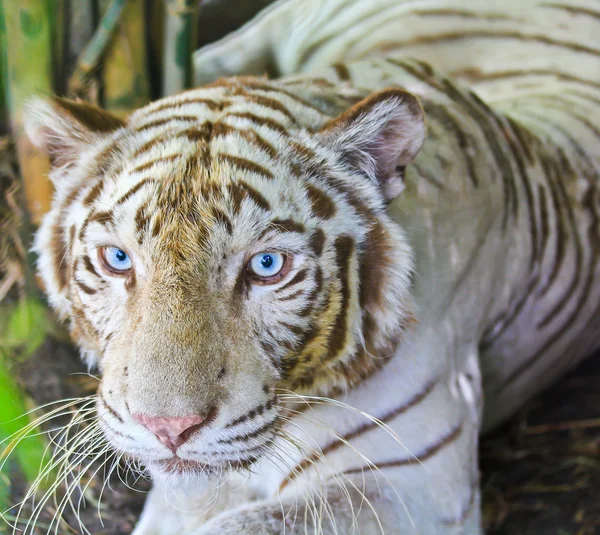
(268,267)
(115,260)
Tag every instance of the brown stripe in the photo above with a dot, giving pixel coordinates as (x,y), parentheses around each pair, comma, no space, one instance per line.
(223,219)
(576,270)
(322,205)
(165,121)
(499,326)
(561,234)
(420,457)
(465,141)
(85,288)
(287,225)
(94,193)
(374,262)
(125,197)
(149,145)
(255,195)
(317,241)
(342,71)
(268,87)
(244,438)
(237,195)
(258,411)
(513,143)
(462,13)
(299,277)
(141,218)
(292,296)
(477,75)
(111,411)
(87,263)
(487,35)
(246,165)
(544,223)
(545,121)
(344,248)
(147,165)
(174,104)
(272,104)
(555,338)
(104,218)
(252,137)
(576,10)
(260,121)
(362,429)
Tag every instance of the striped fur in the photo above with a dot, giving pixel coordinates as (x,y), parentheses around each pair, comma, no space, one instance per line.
(353,387)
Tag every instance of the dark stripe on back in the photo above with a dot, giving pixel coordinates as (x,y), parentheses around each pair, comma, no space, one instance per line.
(342,71)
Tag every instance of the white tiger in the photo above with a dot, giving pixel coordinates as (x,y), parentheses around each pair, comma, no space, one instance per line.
(297,292)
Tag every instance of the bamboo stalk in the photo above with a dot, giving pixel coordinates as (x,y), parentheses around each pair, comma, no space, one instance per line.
(29,63)
(90,58)
(59,26)
(180,42)
(125,68)
(3,75)
(155,29)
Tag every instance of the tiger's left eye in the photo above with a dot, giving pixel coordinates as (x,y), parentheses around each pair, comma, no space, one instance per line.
(115,260)
(268,267)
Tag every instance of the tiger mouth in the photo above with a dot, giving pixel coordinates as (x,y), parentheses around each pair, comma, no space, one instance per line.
(178,466)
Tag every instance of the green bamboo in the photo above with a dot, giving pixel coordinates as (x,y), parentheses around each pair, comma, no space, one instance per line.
(125,77)
(29,64)
(179,44)
(24,329)
(91,56)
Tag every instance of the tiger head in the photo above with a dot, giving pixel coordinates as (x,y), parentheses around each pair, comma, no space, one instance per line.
(219,247)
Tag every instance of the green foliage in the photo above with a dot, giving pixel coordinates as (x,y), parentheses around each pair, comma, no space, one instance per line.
(24,328)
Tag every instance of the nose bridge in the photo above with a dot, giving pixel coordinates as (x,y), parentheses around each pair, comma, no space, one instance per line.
(175,360)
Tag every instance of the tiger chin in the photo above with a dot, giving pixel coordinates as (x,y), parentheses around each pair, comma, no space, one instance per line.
(225,258)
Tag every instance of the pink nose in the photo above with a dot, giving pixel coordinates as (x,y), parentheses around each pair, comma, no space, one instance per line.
(172,432)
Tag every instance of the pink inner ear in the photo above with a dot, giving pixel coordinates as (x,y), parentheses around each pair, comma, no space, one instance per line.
(378,135)
(61,126)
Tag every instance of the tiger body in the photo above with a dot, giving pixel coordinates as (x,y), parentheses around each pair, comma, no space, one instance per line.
(349,394)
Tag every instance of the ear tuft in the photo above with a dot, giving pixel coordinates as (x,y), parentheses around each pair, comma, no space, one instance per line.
(379,136)
(61,127)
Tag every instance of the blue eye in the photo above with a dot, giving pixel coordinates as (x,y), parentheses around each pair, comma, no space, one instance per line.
(266,264)
(117,259)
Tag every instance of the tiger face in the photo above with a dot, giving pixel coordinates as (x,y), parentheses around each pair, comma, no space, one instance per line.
(218,247)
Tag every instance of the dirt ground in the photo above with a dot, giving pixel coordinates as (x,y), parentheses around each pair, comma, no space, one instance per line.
(540,472)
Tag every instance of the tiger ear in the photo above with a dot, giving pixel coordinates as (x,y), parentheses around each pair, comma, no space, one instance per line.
(62,127)
(379,136)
